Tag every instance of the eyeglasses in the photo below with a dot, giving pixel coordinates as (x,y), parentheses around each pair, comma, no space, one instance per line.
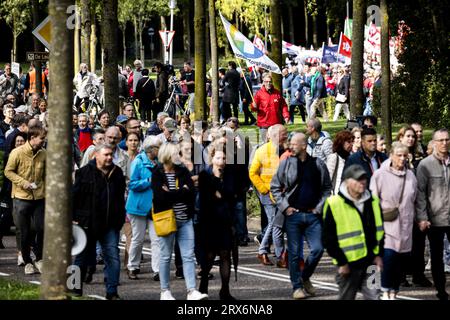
(136,127)
(442,140)
(232,120)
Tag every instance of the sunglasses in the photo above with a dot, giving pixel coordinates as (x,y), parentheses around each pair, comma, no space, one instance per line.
(232,120)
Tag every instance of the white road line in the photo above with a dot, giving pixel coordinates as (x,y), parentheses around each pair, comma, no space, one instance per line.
(4,274)
(277,276)
(96,297)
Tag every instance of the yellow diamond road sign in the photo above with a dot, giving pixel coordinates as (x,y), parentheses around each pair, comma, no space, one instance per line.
(43,32)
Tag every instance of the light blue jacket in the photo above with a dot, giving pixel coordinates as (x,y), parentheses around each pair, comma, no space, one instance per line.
(140,195)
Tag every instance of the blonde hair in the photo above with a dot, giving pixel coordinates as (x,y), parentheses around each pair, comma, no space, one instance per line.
(167,151)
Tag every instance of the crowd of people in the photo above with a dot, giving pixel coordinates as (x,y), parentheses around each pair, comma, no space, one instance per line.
(345,194)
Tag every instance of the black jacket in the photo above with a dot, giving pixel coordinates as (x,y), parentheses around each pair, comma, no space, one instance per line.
(361,158)
(99,199)
(163,200)
(330,239)
(145,91)
(231,92)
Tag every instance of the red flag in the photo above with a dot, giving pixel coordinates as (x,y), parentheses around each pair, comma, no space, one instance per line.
(345,46)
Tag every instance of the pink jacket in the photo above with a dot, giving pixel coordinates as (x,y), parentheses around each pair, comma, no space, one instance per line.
(386,183)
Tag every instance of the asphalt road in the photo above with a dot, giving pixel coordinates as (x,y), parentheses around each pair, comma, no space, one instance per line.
(255,281)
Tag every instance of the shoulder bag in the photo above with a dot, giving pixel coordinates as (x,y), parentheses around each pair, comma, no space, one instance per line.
(392,214)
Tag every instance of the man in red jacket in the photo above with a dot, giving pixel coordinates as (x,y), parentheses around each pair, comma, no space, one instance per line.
(270,106)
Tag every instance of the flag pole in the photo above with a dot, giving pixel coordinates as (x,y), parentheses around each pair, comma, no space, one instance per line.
(339,46)
(323,45)
(245,79)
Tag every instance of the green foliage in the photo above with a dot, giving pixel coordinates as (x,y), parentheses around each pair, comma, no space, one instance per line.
(17,15)
(420,89)
(14,290)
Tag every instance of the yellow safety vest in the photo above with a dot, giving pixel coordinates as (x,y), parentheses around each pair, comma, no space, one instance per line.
(349,228)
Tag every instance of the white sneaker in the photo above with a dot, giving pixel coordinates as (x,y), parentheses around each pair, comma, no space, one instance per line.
(196,295)
(447,268)
(29,268)
(38,265)
(385,296)
(20,261)
(428,266)
(166,295)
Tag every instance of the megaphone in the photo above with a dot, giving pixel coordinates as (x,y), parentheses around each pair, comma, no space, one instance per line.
(79,240)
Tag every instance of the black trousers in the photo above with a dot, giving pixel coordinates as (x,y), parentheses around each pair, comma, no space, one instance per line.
(418,254)
(436,237)
(226,110)
(249,118)
(26,213)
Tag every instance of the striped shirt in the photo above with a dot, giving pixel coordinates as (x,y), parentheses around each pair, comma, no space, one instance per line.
(179,208)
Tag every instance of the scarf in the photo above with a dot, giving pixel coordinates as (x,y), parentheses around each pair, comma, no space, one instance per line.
(313,82)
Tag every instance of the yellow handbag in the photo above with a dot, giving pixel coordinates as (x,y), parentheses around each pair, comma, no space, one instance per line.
(164,222)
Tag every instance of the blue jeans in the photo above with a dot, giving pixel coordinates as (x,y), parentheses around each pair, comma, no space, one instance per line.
(392,269)
(111,256)
(186,240)
(270,233)
(241,220)
(299,225)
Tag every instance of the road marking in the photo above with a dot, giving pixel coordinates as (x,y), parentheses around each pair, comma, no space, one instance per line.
(280,277)
(96,297)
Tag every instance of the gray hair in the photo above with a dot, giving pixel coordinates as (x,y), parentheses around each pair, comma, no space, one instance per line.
(266,74)
(316,124)
(442,130)
(102,146)
(397,145)
(84,115)
(162,115)
(150,142)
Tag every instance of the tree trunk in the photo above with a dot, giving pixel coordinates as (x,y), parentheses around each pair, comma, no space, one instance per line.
(200,60)
(207,38)
(214,62)
(386,74)
(136,28)
(291,24)
(110,56)
(275,14)
(187,33)
(14,55)
(306,24)
(37,46)
(315,32)
(93,50)
(356,83)
(58,180)
(124,45)
(141,45)
(76,47)
(85,30)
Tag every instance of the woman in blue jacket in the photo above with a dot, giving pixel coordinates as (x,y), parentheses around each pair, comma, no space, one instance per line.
(139,205)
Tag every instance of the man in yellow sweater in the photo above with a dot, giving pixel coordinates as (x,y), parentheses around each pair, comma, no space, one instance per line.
(263,167)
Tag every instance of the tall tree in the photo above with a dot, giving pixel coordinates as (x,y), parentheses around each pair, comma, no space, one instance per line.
(93,43)
(200,60)
(214,62)
(85,30)
(305,7)
(37,45)
(275,14)
(110,56)
(16,14)
(186,9)
(386,73)
(356,82)
(124,16)
(76,46)
(58,182)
